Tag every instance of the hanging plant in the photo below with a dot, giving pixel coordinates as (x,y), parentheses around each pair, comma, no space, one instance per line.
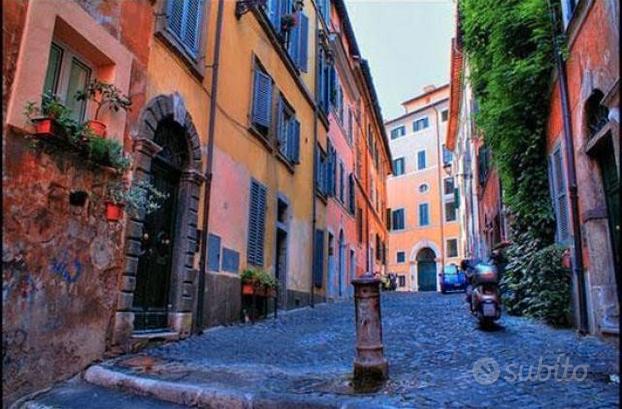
(289,21)
(141,198)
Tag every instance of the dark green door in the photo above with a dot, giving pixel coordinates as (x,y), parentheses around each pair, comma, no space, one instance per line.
(151,297)
(426,275)
(611,187)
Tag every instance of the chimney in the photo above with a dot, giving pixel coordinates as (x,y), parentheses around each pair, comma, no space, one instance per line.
(428,88)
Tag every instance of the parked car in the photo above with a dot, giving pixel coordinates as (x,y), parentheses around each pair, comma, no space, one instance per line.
(452,279)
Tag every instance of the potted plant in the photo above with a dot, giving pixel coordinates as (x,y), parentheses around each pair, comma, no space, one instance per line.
(267,284)
(47,117)
(103,94)
(288,21)
(108,152)
(249,281)
(141,197)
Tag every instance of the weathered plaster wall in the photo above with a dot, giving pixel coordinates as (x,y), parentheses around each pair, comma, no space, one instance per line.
(593,63)
(60,268)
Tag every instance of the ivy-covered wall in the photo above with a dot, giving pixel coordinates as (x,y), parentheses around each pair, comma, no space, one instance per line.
(509,47)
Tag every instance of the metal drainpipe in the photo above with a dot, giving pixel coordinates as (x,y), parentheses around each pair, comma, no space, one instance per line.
(208,170)
(440,187)
(315,158)
(572,178)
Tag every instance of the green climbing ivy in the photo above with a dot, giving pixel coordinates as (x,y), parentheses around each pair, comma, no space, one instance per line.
(509,47)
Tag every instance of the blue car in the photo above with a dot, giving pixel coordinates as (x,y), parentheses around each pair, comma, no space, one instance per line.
(452,279)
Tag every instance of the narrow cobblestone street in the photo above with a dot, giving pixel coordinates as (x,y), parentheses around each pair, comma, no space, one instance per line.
(305,358)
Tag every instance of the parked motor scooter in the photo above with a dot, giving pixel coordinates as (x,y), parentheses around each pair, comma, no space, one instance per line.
(482,294)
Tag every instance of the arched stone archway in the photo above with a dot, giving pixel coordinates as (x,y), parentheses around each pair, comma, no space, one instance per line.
(414,266)
(169,111)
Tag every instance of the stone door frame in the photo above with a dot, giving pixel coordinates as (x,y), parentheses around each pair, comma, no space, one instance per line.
(183,275)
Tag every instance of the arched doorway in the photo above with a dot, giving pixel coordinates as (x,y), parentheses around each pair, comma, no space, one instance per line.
(153,276)
(426,269)
(158,282)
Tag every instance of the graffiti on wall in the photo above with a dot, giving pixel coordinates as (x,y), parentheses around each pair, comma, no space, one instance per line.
(69,271)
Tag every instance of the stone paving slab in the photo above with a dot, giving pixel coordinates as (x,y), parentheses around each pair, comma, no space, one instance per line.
(304,360)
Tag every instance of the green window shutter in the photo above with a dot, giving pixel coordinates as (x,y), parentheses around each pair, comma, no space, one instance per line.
(456,197)
(318,260)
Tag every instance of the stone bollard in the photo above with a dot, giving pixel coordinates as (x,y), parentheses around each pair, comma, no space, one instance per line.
(369,364)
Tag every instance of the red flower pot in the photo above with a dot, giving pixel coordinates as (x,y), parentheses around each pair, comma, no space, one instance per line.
(44,126)
(248,289)
(97,127)
(114,211)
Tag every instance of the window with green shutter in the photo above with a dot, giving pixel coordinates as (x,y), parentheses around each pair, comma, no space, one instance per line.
(318,259)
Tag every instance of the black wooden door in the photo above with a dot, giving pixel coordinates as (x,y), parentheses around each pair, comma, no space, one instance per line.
(151,298)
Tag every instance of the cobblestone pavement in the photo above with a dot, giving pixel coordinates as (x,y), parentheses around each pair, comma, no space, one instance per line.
(431,344)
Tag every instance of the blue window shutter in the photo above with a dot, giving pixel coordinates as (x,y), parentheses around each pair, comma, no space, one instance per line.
(251,247)
(273,13)
(175,16)
(303,38)
(192,24)
(261,225)
(318,260)
(294,141)
(294,43)
(256,223)
(262,98)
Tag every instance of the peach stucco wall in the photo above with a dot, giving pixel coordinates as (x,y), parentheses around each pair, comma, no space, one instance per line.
(44,20)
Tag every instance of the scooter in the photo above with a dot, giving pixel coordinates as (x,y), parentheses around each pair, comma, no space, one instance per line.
(482,294)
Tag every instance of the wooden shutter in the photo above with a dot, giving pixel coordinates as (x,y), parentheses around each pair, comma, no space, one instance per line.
(293,143)
(184,20)
(351,192)
(293,48)
(560,199)
(175,17)
(318,260)
(262,98)
(388,218)
(256,224)
(303,37)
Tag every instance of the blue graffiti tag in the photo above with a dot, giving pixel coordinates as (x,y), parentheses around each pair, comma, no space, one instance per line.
(60,268)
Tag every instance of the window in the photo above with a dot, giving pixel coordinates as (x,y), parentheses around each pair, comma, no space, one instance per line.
(351,194)
(450,211)
(359,224)
(256,223)
(397,132)
(421,124)
(321,171)
(424,187)
(448,186)
(424,216)
(421,160)
(262,101)
(184,22)
(288,132)
(568,8)
(66,75)
(398,166)
(483,162)
(448,156)
(350,119)
(327,75)
(297,47)
(318,259)
(452,248)
(397,221)
(402,280)
(444,115)
(342,182)
(401,256)
(557,183)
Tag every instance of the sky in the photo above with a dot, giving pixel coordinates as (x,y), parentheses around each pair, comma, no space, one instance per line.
(407,44)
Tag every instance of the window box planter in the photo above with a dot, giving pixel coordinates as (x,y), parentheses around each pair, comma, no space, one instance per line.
(45,126)
(97,127)
(114,211)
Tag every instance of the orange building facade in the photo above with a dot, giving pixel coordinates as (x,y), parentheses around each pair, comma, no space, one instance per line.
(424,222)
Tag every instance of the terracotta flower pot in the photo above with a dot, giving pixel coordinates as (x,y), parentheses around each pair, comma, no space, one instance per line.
(248,289)
(114,211)
(97,127)
(44,126)
(566,260)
